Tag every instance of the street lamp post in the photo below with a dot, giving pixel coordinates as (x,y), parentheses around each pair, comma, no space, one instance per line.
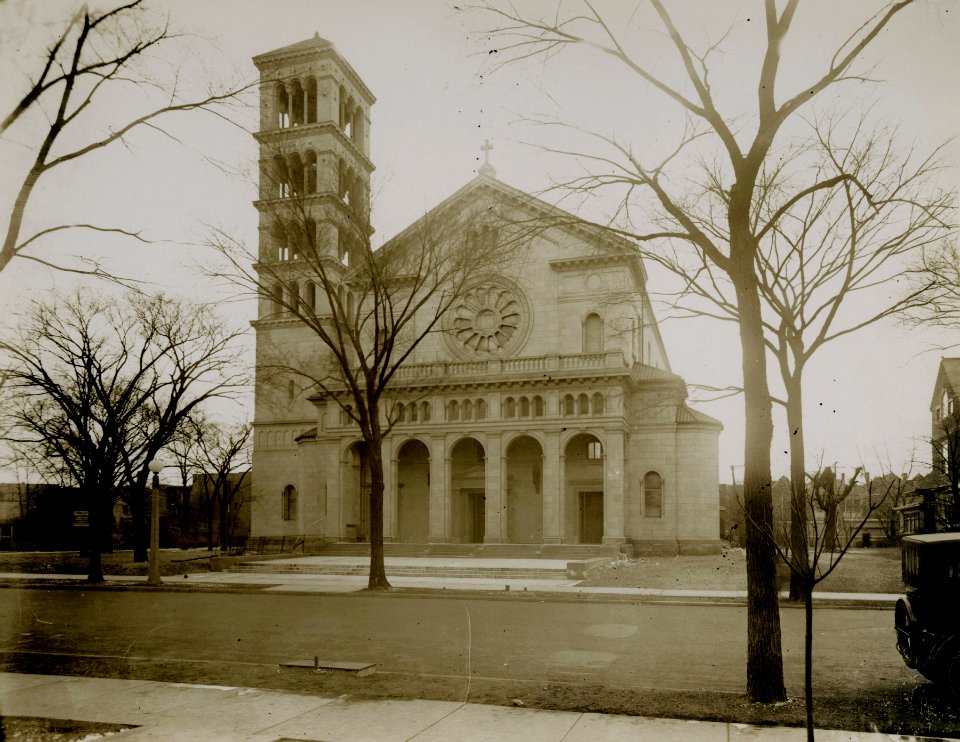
(153,576)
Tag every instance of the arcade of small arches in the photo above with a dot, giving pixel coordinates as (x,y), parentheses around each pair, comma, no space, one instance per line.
(525,489)
(511,407)
(295,174)
(289,242)
(295,104)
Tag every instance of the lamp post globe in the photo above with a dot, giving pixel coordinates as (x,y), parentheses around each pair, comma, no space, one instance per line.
(153,573)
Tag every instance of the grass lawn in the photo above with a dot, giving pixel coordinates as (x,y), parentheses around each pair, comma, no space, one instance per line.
(860,571)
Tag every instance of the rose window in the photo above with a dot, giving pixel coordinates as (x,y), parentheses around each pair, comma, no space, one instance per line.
(490,320)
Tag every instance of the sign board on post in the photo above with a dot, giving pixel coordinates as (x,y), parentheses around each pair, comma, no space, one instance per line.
(81,518)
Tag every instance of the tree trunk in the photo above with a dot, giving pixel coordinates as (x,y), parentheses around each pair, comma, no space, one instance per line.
(808,653)
(798,485)
(210,505)
(764,655)
(378,574)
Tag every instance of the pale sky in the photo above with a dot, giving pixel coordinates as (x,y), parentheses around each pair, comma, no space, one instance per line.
(438,99)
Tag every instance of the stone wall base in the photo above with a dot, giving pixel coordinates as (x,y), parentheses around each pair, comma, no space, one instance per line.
(673,548)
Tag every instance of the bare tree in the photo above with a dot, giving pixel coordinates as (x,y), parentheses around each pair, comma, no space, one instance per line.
(722,219)
(366,309)
(825,544)
(95,55)
(192,361)
(224,458)
(101,385)
(834,260)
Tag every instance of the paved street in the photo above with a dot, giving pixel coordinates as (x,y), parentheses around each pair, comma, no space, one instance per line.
(620,644)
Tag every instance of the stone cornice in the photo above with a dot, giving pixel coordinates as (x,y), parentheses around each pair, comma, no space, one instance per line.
(585,262)
(318,51)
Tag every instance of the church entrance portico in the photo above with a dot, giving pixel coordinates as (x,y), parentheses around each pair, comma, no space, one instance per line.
(466,492)
(413,492)
(583,463)
(524,491)
(355,483)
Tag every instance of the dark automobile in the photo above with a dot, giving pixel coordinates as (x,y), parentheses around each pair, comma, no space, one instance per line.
(927,618)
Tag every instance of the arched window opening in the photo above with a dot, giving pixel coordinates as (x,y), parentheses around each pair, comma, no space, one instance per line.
(296,175)
(312,100)
(538,406)
(293,290)
(524,407)
(278,298)
(346,415)
(652,495)
(568,405)
(291,390)
(598,403)
(510,408)
(425,411)
(414,412)
(281,246)
(453,410)
(307,245)
(342,98)
(583,405)
(281,178)
(282,104)
(400,411)
(296,103)
(594,451)
(343,246)
(289,502)
(481,408)
(593,334)
(310,170)
(468,410)
(357,134)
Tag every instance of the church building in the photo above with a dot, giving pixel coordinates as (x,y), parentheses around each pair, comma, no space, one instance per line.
(545,412)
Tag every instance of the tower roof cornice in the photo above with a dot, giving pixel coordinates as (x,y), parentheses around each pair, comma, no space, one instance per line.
(318,48)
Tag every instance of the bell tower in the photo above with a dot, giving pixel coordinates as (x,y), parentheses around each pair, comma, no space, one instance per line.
(314,160)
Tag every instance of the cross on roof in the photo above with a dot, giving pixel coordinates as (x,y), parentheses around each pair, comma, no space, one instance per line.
(487,168)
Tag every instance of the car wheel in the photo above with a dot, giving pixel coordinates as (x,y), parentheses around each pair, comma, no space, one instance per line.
(905,630)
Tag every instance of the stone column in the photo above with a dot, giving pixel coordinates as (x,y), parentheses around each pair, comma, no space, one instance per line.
(493,506)
(552,494)
(614,500)
(391,495)
(438,491)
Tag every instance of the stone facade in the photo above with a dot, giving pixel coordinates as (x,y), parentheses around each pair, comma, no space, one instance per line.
(545,412)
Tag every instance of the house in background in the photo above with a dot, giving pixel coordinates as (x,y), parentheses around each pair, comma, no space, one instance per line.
(935,502)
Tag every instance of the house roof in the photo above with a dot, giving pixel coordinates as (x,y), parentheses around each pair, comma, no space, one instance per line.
(687,415)
(948,375)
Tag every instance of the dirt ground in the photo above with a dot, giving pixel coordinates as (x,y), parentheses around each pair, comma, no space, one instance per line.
(172,562)
(860,571)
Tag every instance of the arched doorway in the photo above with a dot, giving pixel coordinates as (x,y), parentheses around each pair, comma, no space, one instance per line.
(467,493)
(356,511)
(413,492)
(524,491)
(583,474)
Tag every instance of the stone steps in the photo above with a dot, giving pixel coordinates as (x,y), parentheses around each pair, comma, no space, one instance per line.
(476,572)
(475,551)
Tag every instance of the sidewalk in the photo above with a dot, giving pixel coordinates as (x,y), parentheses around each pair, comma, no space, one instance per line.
(178,711)
(315,583)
